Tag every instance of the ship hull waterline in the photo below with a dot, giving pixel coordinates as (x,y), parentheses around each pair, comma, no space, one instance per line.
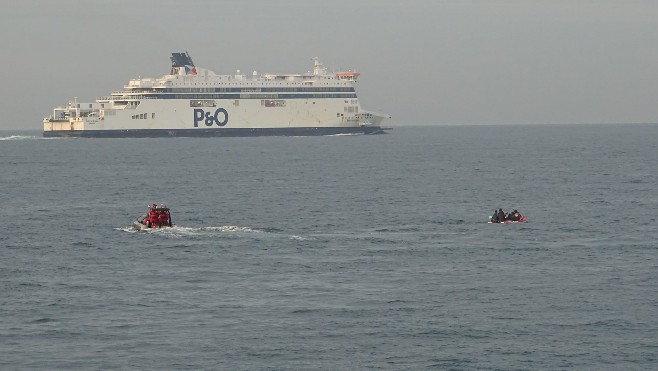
(222,132)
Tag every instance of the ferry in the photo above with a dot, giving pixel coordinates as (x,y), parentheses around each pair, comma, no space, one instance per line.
(192,101)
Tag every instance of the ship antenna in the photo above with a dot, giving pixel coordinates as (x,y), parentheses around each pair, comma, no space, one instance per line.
(318,68)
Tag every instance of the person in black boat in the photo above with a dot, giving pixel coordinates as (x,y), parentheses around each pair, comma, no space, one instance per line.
(510,216)
(494,217)
(501,216)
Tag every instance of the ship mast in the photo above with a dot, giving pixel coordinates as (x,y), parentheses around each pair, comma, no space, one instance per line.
(318,68)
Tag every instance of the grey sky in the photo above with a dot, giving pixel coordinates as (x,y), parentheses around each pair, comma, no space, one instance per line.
(422,61)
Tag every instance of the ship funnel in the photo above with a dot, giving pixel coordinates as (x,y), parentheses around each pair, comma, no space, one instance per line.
(181,64)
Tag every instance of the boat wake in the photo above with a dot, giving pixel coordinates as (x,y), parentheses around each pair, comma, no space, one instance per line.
(181,231)
(20,137)
(29,137)
(391,234)
(223,231)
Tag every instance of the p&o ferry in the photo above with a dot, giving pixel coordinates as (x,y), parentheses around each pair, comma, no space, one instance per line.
(195,102)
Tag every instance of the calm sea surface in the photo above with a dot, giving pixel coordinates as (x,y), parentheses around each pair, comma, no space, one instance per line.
(333,253)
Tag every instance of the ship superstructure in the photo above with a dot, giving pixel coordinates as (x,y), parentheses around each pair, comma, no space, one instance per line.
(193,101)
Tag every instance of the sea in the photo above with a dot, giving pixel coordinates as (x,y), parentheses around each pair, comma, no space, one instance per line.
(333,253)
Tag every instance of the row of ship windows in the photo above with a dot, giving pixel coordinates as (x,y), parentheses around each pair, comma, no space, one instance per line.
(258,84)
(273,103)
(348,110)
(248,90)
(234,96)
(211,103)
(143,116)
(264,103)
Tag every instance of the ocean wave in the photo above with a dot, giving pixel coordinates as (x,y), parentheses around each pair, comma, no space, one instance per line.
(302,238)
(344,135)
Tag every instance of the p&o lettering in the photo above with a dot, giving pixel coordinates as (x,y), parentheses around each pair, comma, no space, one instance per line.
(219,117)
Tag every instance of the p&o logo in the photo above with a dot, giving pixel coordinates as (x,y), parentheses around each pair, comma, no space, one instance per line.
(219,117)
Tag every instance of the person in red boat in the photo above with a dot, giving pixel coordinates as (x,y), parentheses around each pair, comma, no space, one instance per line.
(166,211)
(147,218)
(163,219)
(154,218)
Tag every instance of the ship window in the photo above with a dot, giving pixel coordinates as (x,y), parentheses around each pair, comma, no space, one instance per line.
(202,103)
(153,115)
(273,103)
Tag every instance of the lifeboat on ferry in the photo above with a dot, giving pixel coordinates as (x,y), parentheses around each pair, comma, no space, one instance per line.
(156,217)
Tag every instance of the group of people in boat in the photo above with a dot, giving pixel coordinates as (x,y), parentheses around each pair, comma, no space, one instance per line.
(499,216)
(157,216)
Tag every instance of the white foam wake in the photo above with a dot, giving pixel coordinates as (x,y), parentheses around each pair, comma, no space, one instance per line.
(30,137)
(19,137)
(189,231)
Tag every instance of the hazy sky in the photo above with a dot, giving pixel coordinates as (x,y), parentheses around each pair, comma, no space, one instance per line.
(423,61)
